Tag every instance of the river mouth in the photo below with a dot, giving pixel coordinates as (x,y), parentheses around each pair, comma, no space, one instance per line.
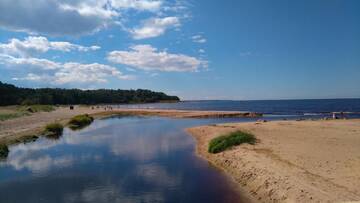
(118,159)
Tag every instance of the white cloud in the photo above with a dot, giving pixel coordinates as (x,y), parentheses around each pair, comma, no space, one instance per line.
(54,17)
(201,51)
(33,77)
(45,64)
(68,17)
(86,73)
(146,57)
(198,39)
(34,44)
(136,4)
(46,71)
(154,27)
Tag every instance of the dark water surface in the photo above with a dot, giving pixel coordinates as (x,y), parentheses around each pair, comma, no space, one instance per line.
(307,107)
(120,159)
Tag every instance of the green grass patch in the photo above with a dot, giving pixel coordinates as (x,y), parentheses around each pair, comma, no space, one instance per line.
(7,116)
(80,121)
(37,108)
(19,111)
(4,151)
(224,142)
(53,130)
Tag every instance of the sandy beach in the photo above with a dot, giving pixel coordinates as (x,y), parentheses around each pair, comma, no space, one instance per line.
(293,161)
(13,130)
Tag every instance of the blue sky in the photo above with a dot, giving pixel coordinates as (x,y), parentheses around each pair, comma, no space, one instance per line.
(243,49)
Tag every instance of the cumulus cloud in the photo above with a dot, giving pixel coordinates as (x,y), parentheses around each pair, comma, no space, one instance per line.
(47,71)
(38,44)
(53,17)
(45,64)
(198,39)
(154,27)
(67,17)
(86,73)
(146,57)
(18,55)
(136,4)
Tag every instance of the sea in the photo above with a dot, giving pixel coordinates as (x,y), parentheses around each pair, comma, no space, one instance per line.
(305,108)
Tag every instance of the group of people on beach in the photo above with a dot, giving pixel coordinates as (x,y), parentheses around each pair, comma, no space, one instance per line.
(341,115)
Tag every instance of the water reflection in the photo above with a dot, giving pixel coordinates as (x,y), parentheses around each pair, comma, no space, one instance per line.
(122,159)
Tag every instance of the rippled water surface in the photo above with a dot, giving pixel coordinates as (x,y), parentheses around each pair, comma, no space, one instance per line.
(120,159)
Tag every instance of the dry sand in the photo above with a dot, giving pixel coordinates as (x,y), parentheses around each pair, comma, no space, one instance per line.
(17,128)
(293,161)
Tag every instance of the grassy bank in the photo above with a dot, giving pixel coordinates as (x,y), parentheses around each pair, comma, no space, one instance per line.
(224,142)
(53,130)
(80,121)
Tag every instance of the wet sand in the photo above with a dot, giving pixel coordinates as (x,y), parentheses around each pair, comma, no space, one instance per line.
(15,129)
(293,161)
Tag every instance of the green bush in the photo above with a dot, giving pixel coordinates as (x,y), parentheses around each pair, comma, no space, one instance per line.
(4,151)
(223,142)
(54,130)
(80,121)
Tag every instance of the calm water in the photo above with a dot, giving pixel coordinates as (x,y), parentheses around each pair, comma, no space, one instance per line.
(120,159)
(322,107)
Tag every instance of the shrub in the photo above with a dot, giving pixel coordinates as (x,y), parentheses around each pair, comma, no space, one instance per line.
(4,151)
(80,121)
(224,142)
(54,130)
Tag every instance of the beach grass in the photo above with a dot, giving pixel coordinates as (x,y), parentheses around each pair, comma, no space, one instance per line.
(7,116)
(224,142)
(80,121)
(12,112)
(36,108)
(4,151)
(53,130)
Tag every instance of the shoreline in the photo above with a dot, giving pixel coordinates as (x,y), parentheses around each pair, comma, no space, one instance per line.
(20,129)
(294,161)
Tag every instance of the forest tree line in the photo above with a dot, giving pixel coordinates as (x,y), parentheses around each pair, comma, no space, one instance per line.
(12,95)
